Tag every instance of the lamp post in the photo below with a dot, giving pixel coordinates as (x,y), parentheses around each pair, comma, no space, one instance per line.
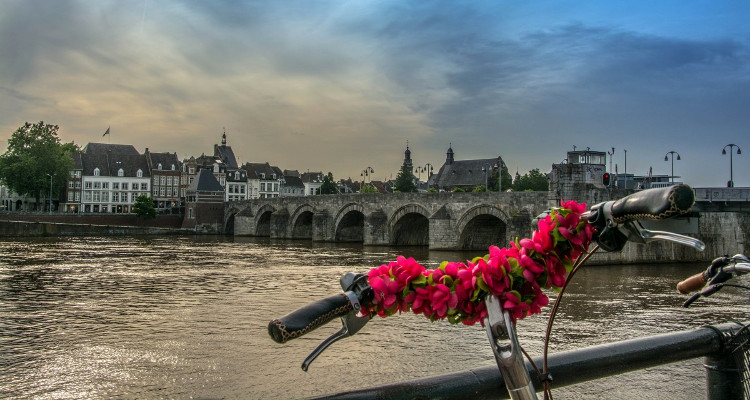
(366,174)
(626,168)
(50,191)
(611,158)
(666,158)
(731,167)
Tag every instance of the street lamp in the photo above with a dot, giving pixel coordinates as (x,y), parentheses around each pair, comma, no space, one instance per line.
(731,167)
(666,158)
(611,158)
(366,174)
(50,191)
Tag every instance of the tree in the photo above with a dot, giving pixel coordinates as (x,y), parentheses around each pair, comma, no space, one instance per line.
(35,156)
(531,181)
(405,181)
(328,186)
(368,189)
(506,181)
(144,207)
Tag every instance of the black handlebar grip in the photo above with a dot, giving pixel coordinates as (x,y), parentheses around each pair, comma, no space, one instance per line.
(308,318)
(654,203)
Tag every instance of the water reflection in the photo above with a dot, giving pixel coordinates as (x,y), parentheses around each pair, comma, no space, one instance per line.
(186,317)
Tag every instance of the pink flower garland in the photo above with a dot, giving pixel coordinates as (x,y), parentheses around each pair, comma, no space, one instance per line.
(517,274)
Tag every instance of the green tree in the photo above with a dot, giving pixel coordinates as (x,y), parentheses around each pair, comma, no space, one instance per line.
(479,188)
(405,181)
(368,189)
(328,186)
(144,207)
(35,156)
(533,180)
(507,179)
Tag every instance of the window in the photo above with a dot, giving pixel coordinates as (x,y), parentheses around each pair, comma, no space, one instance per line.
(139,173)
(105,185)
(116,185)
(125,186)
(158,166)
(161,191)
(190,212)
(222,181)
(70,196)
(173,167)
(78,184)
(144,186)
(97,185)
(120,172)
(96,171)
(78,196)
(87,196)
(70,184)
(192,171)
(78,174)
(163,180)
(87,185)
(216,167)
(169,180)
(115,197)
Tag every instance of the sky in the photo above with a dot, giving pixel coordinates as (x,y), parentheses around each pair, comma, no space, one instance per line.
(339,86)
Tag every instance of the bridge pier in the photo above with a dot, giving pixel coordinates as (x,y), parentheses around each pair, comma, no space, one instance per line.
(376,229)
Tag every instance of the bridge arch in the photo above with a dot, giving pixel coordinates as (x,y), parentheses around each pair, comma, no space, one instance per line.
(302,222)
(482,226)
(409,225)
(349,225)
(263,220)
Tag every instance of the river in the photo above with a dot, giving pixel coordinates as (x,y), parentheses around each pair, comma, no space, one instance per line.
(186,317)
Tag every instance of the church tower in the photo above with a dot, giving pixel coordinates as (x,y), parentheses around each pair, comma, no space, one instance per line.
(449,155)
(407,159)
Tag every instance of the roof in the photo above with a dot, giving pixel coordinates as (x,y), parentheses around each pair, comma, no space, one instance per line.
(205,182)
(308,177)
(254,171)
(226,155)
(465,173)
(103,148)
(294,181)
(165,159)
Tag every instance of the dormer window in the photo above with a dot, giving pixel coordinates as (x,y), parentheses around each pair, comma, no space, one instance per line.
(173,167)
(139,173)
(273,176)
(216,167)
(237,176)
(96,171)
(120,172)
(262,175)
(158,166)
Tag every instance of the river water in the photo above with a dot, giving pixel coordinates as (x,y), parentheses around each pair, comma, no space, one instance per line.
(186,317)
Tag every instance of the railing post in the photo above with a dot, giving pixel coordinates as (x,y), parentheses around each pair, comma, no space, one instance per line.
(723,379)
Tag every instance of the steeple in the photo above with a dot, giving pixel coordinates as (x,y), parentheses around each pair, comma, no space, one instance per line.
(224,138)
(449,158)
(407,158)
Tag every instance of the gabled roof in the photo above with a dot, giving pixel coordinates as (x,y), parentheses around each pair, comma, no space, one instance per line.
(205,182)
(165,159)
(309,177)
(466,172)
(254,171)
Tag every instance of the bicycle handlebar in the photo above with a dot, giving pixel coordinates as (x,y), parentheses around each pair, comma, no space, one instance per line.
(654,203)
(692,284)
(308,318)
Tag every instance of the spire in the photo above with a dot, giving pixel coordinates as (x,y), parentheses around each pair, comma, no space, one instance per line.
(224,137)
(449,158)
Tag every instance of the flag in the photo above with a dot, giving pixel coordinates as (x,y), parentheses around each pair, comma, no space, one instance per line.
(106,132)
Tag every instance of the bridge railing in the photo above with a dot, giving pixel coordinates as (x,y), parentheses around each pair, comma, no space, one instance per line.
(723,379)
(722,194)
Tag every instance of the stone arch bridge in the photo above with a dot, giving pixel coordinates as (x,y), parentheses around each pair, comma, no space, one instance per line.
(448,221)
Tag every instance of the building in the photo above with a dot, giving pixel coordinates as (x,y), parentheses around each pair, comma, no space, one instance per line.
(107,178)
(312,182)
(264,180)
(166,172)
(466,174)
(292,185)
(204,203)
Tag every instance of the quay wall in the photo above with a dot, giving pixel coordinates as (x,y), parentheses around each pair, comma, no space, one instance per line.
(51,225)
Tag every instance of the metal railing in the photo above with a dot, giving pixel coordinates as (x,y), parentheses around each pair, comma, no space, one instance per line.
(723,379)
(722,194)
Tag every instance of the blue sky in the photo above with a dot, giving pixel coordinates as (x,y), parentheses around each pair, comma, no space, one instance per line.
(342,85)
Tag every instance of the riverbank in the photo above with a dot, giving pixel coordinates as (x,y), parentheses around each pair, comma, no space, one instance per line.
(32,225)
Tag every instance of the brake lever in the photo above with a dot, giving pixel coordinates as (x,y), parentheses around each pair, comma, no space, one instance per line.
(637,233)
(357,289)
(351,324)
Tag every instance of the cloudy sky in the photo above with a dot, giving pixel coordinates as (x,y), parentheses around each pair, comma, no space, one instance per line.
(342,85)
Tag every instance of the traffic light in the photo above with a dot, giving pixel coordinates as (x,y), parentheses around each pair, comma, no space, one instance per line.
(605,179)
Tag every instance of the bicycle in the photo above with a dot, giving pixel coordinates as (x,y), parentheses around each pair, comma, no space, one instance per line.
(610,224)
